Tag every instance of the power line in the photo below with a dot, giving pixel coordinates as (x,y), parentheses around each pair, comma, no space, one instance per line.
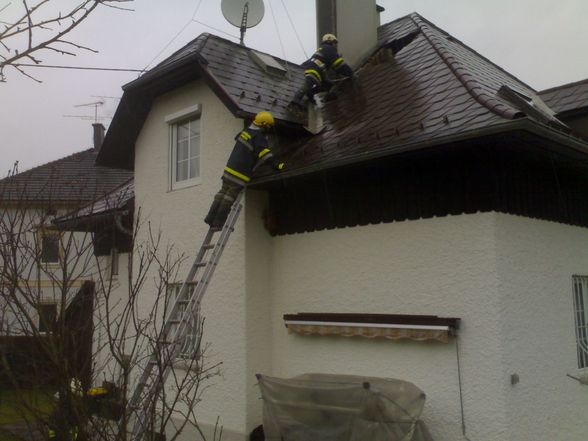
(216,29)
(277,30)
(51,66)
(294,27)
(176,36)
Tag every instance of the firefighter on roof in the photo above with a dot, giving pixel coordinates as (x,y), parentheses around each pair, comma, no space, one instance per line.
(251,149)
(315,74)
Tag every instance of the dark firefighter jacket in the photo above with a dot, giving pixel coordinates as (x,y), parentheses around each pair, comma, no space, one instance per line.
(326,57)
(250,149)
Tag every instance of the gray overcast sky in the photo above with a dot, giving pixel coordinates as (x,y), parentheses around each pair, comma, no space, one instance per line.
(542,42)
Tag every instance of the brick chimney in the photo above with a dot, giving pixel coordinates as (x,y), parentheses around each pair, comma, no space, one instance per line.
(354,22)
(99,130)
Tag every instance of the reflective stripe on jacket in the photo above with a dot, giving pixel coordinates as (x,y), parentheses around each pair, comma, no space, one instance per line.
(326,57)
(251,148)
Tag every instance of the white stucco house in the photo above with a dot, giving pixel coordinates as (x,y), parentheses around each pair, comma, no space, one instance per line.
(47,275)
(435,231)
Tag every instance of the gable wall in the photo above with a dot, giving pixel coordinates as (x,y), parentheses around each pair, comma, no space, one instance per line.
(179,216)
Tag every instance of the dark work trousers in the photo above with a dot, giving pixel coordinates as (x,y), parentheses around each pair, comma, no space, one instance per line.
(311,86)
(223,201)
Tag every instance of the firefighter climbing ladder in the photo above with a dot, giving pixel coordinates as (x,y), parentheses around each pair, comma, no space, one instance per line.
(176,326)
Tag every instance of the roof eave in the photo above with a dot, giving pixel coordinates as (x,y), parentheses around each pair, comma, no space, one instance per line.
(577,145)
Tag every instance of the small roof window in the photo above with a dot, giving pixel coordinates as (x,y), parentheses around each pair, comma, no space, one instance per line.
(267,63)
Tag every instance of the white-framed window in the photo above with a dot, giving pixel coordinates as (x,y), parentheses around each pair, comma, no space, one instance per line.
(190,346)
(581,318)
(185,147)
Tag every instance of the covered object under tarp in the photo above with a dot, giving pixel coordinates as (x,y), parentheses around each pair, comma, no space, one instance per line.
(331,407)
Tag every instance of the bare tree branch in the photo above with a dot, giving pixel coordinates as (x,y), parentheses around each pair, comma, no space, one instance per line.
(34,19)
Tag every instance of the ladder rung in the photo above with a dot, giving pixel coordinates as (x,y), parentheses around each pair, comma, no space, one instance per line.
(200,264)
(210,246)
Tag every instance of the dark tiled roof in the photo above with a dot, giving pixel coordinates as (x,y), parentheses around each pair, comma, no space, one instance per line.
(228,69)
(74,179)
(115,201)
(567,98)
(432,91)
(243,80)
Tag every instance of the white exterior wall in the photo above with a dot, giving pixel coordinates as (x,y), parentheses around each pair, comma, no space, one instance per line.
(536,261)
(179,214)
(507,278)
(443,266)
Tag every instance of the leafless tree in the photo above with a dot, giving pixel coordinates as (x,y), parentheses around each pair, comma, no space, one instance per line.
(42,27)
(88,356)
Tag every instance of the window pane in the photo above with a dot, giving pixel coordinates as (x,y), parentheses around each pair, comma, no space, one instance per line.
(50,248)
(194,167)
(183,131)
(186,150)
(182,151)
(181,171)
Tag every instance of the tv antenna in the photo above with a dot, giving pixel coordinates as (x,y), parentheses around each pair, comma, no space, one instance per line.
(243,14)
(95,104)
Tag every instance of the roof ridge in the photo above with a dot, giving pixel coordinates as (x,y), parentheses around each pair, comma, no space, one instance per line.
(564,86)
(248,48)
(46,164)
(472,85)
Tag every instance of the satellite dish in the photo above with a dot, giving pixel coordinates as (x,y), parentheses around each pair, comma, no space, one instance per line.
(243,13)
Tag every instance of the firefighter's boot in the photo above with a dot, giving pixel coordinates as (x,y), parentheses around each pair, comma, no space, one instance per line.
(297,106)
(209,219)
(222,213)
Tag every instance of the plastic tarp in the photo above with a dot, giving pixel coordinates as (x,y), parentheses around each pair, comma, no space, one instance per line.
(327,407)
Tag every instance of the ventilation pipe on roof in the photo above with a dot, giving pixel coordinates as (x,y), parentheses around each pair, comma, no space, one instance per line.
(355,22)
(315,118)
(99,131)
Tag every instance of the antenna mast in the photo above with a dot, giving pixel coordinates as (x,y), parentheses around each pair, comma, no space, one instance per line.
(243,14)
(244,22)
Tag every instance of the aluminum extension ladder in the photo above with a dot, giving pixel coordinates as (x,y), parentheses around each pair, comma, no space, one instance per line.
(176,326)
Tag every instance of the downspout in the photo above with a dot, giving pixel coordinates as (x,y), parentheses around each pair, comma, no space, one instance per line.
(463,424)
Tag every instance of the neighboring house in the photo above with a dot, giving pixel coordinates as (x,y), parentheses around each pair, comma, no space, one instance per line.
(46,257)
(439,221)
(570,102)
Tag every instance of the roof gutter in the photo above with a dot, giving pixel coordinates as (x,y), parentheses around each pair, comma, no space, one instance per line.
(85,223)
(575,144)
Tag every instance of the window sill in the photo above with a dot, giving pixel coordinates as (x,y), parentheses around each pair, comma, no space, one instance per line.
(186,184)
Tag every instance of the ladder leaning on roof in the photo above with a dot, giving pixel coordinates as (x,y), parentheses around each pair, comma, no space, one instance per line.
(176,326)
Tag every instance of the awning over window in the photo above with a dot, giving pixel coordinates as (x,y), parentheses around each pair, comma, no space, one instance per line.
(390,326)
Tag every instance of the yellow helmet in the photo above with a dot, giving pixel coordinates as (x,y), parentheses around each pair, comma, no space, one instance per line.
(264,120)
(329,38)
